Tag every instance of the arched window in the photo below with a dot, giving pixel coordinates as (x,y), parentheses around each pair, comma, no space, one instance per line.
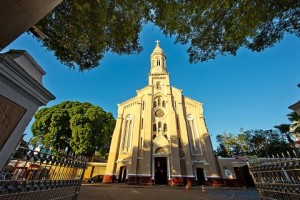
(165,127)
(154,104)
(159,125)
(158,62)
(158,102)
(163,104)
(194,135)
(127,134)
(154,127)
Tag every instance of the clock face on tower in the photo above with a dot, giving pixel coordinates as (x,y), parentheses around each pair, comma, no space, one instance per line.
(159,113)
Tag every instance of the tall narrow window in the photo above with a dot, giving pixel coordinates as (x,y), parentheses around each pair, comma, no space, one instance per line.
(194,138)
(154,127)
(165,127)
(159,126)
(154,104)
(142,123)
(158,102)
(163,104)
(143,105)
(127,134)
(158,62)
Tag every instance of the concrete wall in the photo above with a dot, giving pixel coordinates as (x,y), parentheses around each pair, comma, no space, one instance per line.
(21,94)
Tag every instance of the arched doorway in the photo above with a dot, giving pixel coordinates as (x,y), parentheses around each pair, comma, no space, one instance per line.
(161,177)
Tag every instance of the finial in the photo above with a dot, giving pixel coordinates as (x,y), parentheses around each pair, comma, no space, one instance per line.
(157,42)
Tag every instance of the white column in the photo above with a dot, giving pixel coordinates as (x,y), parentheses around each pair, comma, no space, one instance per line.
(168,166)
(153,164)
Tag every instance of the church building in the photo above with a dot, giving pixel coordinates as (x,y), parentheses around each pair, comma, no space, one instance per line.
(160,136)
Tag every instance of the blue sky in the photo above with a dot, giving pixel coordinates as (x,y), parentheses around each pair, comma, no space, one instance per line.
(249,91)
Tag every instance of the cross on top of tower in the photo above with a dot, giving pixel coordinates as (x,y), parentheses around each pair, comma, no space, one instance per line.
(157,42)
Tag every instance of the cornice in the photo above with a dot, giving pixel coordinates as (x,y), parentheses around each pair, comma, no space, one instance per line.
(16,77)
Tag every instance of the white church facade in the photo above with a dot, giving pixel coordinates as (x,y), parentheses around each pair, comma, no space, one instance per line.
(161,136)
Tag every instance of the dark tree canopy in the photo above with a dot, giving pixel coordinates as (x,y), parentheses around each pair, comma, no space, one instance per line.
(82,127)
(80,32)
(257,142)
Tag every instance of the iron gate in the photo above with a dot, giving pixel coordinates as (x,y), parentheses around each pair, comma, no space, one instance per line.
(277,177)
(38,173)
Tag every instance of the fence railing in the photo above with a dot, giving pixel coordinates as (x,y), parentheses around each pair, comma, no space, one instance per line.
(39,173)
(277,177)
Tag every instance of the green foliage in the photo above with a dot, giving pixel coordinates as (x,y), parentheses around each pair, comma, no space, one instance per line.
(82,127)
(257,142)
(80,32)
(291,130)
(231,145)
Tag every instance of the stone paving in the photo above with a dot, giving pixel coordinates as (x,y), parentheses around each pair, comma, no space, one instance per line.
(128,192)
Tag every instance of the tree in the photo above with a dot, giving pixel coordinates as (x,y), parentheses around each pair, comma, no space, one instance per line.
(213,27)
(81,32)
(231,145)
(266,142)
(257,142)
(285,130)
(82,127)
(295,124)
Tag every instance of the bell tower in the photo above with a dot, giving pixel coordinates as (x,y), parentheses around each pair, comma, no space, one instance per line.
(158,72)
(158,60)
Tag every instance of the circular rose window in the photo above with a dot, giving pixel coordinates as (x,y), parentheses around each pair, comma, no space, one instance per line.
(159,113)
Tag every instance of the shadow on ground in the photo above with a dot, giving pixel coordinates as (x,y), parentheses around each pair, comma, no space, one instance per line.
(129,192)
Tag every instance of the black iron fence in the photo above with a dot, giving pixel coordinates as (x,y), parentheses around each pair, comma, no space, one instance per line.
(39,173)
(277,177)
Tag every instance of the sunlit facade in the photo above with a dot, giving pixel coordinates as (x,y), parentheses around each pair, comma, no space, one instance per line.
(160,135)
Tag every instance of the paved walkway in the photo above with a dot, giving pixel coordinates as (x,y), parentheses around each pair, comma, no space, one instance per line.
(128,192)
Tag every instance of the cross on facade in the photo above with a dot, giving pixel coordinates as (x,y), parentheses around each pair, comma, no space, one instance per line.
(157,42)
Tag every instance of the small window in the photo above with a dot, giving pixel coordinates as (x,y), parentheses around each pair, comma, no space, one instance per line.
(158,102)
(158,86)
(142,123)
(154,127)
(154,104)
(159,125)
(163,104)
(165,127)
